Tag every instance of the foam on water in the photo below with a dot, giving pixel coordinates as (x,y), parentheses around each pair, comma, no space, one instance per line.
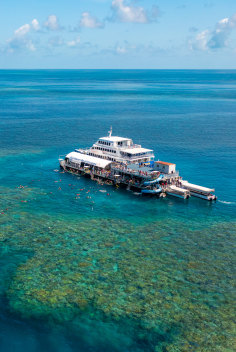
(225,202)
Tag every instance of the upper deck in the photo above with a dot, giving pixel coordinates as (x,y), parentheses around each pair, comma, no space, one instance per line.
(115,141)
(119,149)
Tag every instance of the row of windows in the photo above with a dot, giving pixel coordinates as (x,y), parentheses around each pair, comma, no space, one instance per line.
(103,142)
(102,157)
(105,150)
(134,155)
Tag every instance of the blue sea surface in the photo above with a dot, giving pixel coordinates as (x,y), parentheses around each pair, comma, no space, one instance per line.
(86,267)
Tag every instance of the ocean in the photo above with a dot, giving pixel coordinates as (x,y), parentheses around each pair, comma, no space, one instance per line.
(86,267)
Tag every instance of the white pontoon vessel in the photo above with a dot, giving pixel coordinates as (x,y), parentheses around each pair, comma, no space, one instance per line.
(117,160)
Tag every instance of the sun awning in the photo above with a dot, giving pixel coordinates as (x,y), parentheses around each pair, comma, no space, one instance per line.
(193,187)
(136,150)
(76,157)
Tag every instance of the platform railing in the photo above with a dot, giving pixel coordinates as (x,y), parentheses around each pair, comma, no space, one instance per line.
(175,174)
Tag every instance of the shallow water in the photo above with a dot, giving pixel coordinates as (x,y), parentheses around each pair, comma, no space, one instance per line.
(86,267)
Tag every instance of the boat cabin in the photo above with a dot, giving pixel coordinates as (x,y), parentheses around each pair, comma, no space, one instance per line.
(164,167)
(114,141)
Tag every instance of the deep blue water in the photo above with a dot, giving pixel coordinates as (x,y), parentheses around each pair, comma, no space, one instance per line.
(187,117)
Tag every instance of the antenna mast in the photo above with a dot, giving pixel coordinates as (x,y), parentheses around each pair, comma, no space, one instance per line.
(110,132)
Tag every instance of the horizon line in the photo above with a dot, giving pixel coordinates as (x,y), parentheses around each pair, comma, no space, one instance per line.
(119,69)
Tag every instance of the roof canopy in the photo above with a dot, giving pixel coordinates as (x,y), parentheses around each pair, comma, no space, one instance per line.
(136,150)
(114,139)
(76,157)
(164,163)
(197,188)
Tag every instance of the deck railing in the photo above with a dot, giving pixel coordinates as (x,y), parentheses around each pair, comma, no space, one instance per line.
(175,174)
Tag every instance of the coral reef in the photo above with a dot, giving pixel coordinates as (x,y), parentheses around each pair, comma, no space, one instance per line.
(169,285)
(175,287)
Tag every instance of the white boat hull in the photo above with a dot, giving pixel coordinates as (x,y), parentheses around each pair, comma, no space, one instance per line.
(184,196)
(203,196)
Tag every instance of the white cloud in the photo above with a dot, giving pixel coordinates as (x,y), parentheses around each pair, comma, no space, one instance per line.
(125,48)
(224,21)
(134,14)
(200,42)
(18,43)
(89,22)
(216,38)
(121,50)
(74,43)
(52,23)
(30,46)
(22,31)
(21,38)
(26,28)
(35,24)
(220,35)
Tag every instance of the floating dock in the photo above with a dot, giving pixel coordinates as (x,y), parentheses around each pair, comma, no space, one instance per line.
(157,178)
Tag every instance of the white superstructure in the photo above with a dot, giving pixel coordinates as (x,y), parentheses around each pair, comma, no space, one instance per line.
(119,149)
(118,161)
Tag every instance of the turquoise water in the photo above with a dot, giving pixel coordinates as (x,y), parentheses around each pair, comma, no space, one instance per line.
(85,270)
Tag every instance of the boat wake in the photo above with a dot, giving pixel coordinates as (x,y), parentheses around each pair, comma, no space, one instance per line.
(224,202)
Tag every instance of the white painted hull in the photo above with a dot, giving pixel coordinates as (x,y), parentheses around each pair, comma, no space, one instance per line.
(178,195)
(203,196)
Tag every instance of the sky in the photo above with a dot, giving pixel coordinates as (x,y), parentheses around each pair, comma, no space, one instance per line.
(119,34)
